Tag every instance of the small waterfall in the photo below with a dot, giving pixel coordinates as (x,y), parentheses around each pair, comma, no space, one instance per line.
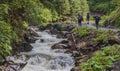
(43,58)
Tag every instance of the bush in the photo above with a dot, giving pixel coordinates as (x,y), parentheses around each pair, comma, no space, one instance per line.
(102,59)
(5,38)
(101,35)
(82,31)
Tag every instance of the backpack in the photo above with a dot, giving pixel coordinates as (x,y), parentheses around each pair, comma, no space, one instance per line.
(80,17)
(88,15)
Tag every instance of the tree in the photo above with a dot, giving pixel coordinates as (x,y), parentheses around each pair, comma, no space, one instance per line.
(62,7)
(78,6)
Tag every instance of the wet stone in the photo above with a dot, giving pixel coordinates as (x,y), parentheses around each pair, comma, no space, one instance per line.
(42,40)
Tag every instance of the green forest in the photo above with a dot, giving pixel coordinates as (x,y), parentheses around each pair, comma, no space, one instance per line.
(100,48)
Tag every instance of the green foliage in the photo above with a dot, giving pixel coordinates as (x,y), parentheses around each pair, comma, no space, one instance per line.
(3,11)
(102,59)
(110,9)
(43,12)
(38,13)
(78,6)
(52,7)
(54,16)
(5,37)
(62,7)
(10,18)
(115,18)
(101,35)
(5,31)
(114,15)
(104,6)
(16,15)
(82,31)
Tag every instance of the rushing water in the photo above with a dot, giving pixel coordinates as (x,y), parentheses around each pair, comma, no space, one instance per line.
(43,58)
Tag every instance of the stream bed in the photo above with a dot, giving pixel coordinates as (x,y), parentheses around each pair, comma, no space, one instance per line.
(43,58)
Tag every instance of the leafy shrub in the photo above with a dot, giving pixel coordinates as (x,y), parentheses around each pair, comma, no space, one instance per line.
(101,35)
(82,31)
(5,37)
(5,31)
(102,59)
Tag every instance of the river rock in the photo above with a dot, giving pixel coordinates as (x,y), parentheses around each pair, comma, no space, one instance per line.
(42,40)
(75,54)
(58,27)
(114,40)
(67,35)
(75,69)
(60,36)
(63,34)
(54,31)
(33,33)
(118,34)
(64,42)
(49,26)
(81,45)
(27,47)
(24,47)
(29,38)
(115,67)
(58,46)
(11,66)
(68,51)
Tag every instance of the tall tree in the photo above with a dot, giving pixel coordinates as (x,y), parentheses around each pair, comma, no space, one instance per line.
(62,7)
(78,6)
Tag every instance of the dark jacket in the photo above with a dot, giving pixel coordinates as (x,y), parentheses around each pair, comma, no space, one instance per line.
(97,18)
(88,15)
(80,17)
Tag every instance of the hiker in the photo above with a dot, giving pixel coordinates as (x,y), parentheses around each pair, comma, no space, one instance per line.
(97,20)
(88,17)
(80,19)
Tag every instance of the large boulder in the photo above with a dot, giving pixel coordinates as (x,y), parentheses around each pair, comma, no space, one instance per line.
(30,39)
(27,47)
(64,42)
(76,53)
(33,33)
(81,45)
(58,46)
(114,40)
(54,31)
(58,27)
(42,40)
(60,35)
(75,69)
(115,67)
(24,47)
(68,51)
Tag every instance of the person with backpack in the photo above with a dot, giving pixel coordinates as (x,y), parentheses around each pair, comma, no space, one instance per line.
(97,20)
(88,17)
(80,19)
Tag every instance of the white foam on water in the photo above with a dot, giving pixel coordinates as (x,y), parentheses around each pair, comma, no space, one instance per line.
(43,58)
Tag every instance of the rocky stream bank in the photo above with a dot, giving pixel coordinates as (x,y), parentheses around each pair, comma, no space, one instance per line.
(81,47)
